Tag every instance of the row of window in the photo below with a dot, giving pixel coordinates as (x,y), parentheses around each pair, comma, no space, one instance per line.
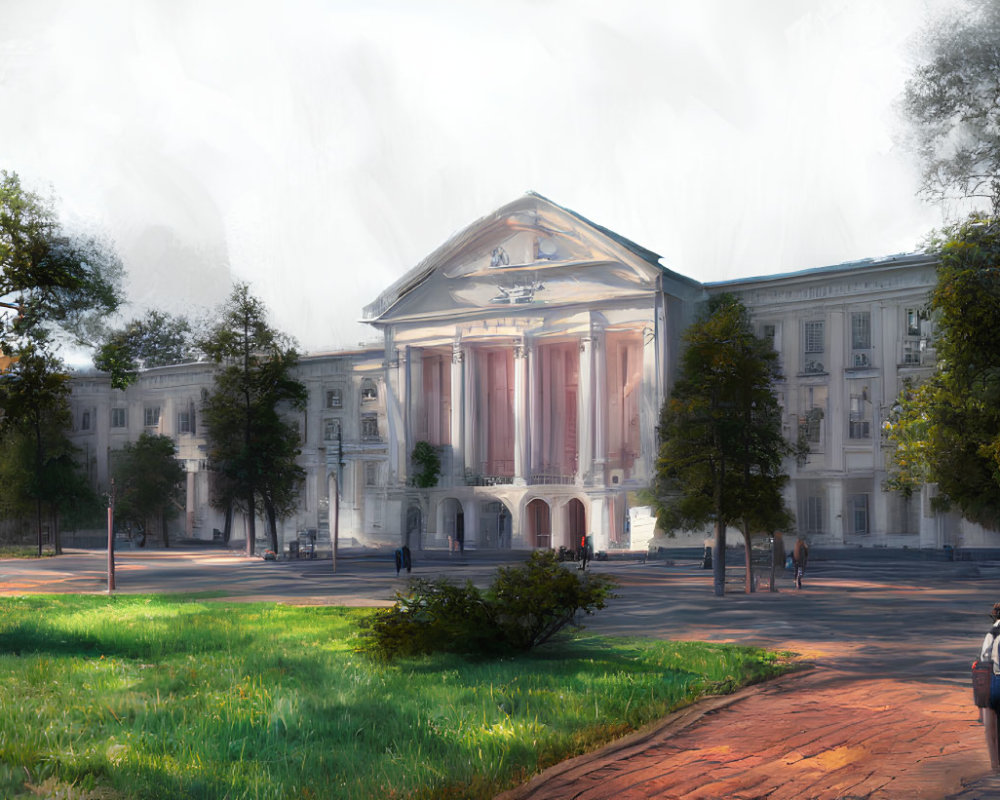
(369,393)
(857,520)
(917,330)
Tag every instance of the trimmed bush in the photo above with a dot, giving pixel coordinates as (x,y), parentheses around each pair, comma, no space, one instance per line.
(524,607)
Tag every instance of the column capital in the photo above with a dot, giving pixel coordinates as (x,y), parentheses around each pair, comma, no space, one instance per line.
(457,354)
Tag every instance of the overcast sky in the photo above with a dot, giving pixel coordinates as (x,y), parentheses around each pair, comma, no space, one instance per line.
(319,149)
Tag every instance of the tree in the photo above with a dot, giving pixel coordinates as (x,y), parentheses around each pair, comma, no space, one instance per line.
(34,394)
(147,475)
(951,104)
(946,430)
(722,449)
(156,340)
(48,278)
(426,465)
(251,445)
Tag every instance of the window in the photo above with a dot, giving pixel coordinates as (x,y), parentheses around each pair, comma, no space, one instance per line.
(857,513)
(151,416)
(369,391)
(334,398)
(119,418)
(814,514)
(861,339)
(859,421)
(185,422)
(861,330)
(813,412)
(85,421)
(371,473)
(369,427)
(918,336)
(814,346)
(331,430)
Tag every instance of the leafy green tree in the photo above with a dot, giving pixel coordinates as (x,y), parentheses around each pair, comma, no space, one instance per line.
(49,278)
(722,450)
(251,443)
(951,104)
(426,465)
(147,477)
(156,340)
(34,393)
(946,430)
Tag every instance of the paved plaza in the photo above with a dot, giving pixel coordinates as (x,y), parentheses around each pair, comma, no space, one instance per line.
(882,710)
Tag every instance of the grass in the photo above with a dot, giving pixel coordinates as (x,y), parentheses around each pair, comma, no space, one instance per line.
(105,698)
(24,551)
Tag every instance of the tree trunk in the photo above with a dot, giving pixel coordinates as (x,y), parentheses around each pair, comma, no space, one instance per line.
(272,524)
(719,558)
(251,524)
(163,529)
(227,528)
(56,534)
(748,555)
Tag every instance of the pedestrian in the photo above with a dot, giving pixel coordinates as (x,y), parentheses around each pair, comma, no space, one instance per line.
(989,653)
(584,551)
(399,560)
(800,556)
(406,558)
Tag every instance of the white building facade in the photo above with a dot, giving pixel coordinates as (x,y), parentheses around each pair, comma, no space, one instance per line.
(533,351)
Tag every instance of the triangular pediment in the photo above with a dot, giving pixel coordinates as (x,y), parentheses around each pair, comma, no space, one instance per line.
(530,253)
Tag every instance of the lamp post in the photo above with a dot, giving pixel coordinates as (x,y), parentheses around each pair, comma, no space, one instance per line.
(111,538)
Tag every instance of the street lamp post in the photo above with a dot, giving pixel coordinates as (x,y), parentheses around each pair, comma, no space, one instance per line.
(111,538)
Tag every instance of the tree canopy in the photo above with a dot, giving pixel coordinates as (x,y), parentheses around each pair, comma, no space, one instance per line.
(946,430)
(147,475)
(48,277)
(251,443)
(155,340)
(722,448)
(951,104)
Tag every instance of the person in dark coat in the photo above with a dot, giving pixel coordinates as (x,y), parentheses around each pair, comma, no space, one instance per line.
(800,556)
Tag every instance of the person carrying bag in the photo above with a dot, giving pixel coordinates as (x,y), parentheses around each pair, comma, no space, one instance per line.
(986,686)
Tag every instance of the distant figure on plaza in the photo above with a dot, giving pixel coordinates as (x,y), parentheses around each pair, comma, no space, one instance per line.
(399,560)
(800,556)
(407,562)
(586,547)
(989,652)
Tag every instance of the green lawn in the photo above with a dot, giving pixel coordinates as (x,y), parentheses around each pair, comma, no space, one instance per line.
(186,697)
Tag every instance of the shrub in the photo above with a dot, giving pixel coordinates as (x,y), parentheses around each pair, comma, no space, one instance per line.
(524,607)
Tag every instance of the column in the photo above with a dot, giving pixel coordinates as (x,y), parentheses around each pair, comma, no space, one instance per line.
(600,410)
(190,500)
(469,404)
(521,427)
(457,421)
(649,411)
(534,411)
(585,419)
(835,512)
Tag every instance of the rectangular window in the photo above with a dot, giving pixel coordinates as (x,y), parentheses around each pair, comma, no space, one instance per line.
(813,347)
(861,330)
(371,473)
(331,430)
(369,427)
(85,421)
(859,421)
(119,418)
(184,422)
(151,416)
(814,337)
(813,413)
(814,514)
(857,513)
(334,398)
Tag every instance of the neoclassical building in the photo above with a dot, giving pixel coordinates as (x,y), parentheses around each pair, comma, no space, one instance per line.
(533,351)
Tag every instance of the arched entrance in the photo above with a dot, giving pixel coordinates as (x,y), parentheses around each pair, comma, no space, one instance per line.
(414,525)
(539,524)
(576,523)
(453,523)
(494,525)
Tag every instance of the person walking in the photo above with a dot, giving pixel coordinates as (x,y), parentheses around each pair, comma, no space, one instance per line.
(800,556)
(988,715)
